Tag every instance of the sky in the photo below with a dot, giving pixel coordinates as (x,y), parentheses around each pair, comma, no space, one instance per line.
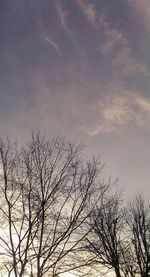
(80,69)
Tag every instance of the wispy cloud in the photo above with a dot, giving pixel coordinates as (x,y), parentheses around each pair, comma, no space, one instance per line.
(62,13)
(53,44)
(121,109)
(123,61)
(143,104)
(113,37)
(89,11)
(126,65)
(44,32)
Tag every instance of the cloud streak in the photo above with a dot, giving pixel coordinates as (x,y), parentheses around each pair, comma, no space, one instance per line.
(89,10)
(53,44)
(63,19)
(117,110)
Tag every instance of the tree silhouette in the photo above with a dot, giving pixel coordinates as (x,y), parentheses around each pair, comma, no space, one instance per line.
(138,220)
(105,239)
(44,191)
(58,215)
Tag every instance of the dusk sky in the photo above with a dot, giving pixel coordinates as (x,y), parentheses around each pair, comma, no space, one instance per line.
(81,69)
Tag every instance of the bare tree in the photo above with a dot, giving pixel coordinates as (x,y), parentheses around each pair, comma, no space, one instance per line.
(14,238)
(119,239)
(138,220)
(106,235)
(44,191)
(127,264)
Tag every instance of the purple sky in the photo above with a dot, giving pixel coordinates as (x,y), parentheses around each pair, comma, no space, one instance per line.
(80,68)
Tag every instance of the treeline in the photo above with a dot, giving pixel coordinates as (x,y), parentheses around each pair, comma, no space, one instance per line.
(57,215)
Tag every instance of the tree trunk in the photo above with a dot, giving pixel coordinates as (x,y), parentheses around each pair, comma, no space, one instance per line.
(117,271)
